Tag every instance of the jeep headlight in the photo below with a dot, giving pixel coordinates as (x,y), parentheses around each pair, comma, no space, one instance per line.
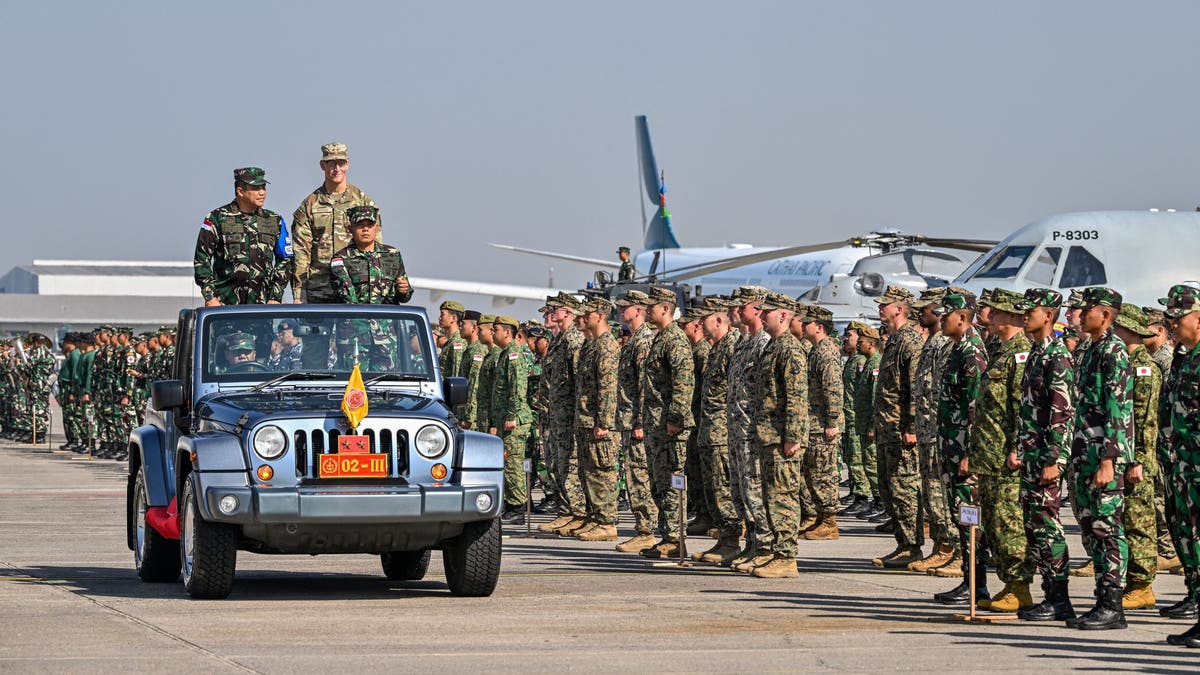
(431,441)
(270,442)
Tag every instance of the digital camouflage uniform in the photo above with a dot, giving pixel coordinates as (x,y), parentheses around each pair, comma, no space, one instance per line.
(699,496)
(1164,357)
(318,230)
(596,408)
(899,465)
(629,415)
(1103,430)
(243,258)
(1139,519)
(509,403)
(820,465)
(473,366)
(851,370)
(712,436)
(451,357)
(487,376)
(669,382)
(745,474)
(935,509)
(958,393)
(558,382)
(780,412)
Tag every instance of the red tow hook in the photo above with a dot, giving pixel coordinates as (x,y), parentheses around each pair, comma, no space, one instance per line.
(164,519)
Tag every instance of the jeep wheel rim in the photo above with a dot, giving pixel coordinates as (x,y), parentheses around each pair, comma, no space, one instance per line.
(139,508)
(189,540)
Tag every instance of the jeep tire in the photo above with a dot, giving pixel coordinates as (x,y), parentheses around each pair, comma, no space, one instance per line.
(472,559)
(208,550)
(155,557)
(405,565)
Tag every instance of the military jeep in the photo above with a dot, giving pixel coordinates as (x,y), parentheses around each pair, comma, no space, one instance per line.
(248,448)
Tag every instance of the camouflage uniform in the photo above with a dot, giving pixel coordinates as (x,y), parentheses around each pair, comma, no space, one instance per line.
(820,465)
(487,375)
(473,361)
(932,362)
(83,385)
(958,392)
(451,358)
(699,497)
(668,384)
(596,408)
(1163,356)
(899,465)
(68,400)
(1179,415)
(745,475)
(851,448)
(509,403)
(37,372)
(1139,519)
(368,277)
(712,436)
(865,465)
(629,416)
(558,382)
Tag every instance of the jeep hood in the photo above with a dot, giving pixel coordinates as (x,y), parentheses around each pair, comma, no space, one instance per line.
(258,405)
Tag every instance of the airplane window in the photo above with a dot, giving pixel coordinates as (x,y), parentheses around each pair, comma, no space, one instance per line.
(1082,269)
(1005,264)
(1044,266)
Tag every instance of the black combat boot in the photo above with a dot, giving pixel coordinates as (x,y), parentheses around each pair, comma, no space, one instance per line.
(1187,638)
(1056,606)
(1108,614)
(873,509)
(1184,609)
(548,504)
(855,507)
(513,515)
(955,596)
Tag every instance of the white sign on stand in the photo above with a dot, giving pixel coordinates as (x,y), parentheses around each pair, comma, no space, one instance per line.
(529,466)
(678,482)
(968,515)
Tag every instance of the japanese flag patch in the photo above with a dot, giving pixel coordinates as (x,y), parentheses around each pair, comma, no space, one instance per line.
(1144,371)
(1022,357)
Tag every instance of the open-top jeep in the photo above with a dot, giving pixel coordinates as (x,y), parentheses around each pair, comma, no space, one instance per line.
(247,447)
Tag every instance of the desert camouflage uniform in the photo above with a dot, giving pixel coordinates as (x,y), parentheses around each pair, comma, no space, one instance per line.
(1045,426)
(242,258)
(558,384)
(825,392)
(780,413)
(712,436)
(509,403)
(629,415)
(1103,429)
(899,465)
(851,370)
(934,506)
(745,476)
(1139,519)
(596,397)
(958,393)
(319,229)
(669,382)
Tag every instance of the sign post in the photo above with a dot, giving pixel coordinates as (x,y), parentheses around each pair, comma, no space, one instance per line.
(528,466)
(969,515)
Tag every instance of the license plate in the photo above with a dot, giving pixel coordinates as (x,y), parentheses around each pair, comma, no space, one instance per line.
(355,465)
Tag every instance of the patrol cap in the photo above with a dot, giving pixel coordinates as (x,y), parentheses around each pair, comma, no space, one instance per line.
(659,295)
(487,318)
(1070,333)
(452,306)
(817,313)
(1039,297)
(745,295)
(507,321)
(954,302)
(471,315)
(1182,304)
(1132,318)
(239,341)
(1004,300)
(250,175)
(929,296)
(775,301)
(357,214)
(633,298)
(1154,316)
(1188,288)
(597,304)
(895,293)
(714,304)
(1101,296)
(622,249)
(856,326)
(1075,299)
(334,150)
(866,331)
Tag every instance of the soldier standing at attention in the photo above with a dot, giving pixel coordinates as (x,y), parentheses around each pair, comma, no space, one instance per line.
(627,272)
(368,272)
(558,384)
(851,369)
(1162,350)
(629,421)
(667,414)
(321,227)
(1044,427)
(1101,450)
(780,413)
(596,419)
(820,460)
(1140,521)
(510,416)
(865,464)
(450,316)
(958,393)
(477,351)
(895,430)
(243,251)
(481,419)
(66,390)
(698,493)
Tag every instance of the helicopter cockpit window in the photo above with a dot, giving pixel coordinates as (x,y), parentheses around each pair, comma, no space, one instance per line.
(1006,263)
(930,263)
(1082,269)
(1042,270)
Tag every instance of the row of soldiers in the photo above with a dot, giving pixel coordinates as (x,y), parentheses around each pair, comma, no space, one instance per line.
(103,384)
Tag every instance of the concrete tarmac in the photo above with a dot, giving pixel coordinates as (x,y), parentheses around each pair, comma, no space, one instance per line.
(71,602)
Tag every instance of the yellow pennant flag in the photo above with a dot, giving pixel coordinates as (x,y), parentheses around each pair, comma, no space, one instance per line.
(354,402)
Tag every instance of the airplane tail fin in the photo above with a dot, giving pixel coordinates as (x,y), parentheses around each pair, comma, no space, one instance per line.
(657,232)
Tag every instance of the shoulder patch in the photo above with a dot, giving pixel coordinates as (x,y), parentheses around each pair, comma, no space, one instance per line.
(1022,357)
(207,225)
(477,357)
(514,356)
(875,371)
(1144,371)
(459,345)
(336,262)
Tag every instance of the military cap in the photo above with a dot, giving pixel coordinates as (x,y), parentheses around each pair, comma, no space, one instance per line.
(86,339)
(287,324)
(69,336)
(622,249)
(334,150)
(714,304)
(358,214)
(778,301)
(953,302)
(865,331)
(1075,299)
(745,295)
(856,326)
(659,295)
(895,294)
(1004,300)
(239,341)
(1039,297)
(1182,304)
(1132,318)
(452,306)
(1154,316)
(1100,295)
(929,296)
(1188,288)
(507,321)
(487,318)
(597,304)
(471,315)
(632,298)
(250,175)
(817,313)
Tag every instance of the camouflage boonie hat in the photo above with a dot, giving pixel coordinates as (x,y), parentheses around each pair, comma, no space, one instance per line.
(778,301)
(239,341)
(953,302)
(866,331)
(746,295)
(1004,300)
(1075,299)
(659,295)
(250,175)
(360,213)
(1132,318)
(452,306)
(507,321)
(1154,316)
(929,296)
(1182,304)
(817,313)
(1039,297)
(895,294)
(633,298)
(1099,295)
(334,151)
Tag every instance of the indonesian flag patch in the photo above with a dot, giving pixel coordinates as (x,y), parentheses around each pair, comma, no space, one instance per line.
(514,356)
(336,262)
(477,357)
(207,225)
(1144,371)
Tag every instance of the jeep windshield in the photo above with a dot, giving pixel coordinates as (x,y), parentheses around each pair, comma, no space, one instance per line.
(309,344)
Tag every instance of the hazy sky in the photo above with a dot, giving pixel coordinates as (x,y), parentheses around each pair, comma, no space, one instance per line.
(475,122)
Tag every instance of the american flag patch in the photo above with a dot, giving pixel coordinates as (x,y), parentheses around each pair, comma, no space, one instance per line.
(1144,371)
(1022,357)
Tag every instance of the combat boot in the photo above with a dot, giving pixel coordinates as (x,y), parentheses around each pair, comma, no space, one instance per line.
(1186,638)
(825,529)
(588,526)
(855,507)
(513,515)
(548,504)
(747,566)
(556,523)
(573,524)
(1108,613)
(807,524)
(665,550)
(1056,606)
(1169,565)
(721,554)
(1184,609)
(748,551)
(941,554)
(881,517)
(599,533)
(1088,570)
(777,568)
(1014,597)
(953,568)
(699,527)
(872,509)
(899,559)
(636,544)
(1138,595)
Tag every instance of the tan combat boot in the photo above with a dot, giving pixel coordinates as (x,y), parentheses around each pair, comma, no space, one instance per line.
(807,524)
(777,568)
(1088,570)
(555,524)
(721,554)
(748,566)
(952,569)
(571,526)
(599,533)
(1014,596)
(826,529)
(942,554)
(664,550)
(587,527)
(637,544)
(745,554)
(1169,565)
(986,603)
(1138,595)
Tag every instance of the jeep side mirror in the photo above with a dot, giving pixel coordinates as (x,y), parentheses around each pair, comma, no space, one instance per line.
(454,391)
(168,394)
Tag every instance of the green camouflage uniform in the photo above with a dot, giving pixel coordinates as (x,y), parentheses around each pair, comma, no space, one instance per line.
(473,364)
(819,464)
(780,413)
(1163,356)
(668,386)
(864,465)
(1139,519)
(699,497)
(958,393)
(895,410)
(83,385)
(318,230)
(712,436)
(236,258)
(37,371)
(487,376)
(629,416)
(1179,413)
(368,277)
(68,400)
(850,446)
(596,408)
(509,403)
